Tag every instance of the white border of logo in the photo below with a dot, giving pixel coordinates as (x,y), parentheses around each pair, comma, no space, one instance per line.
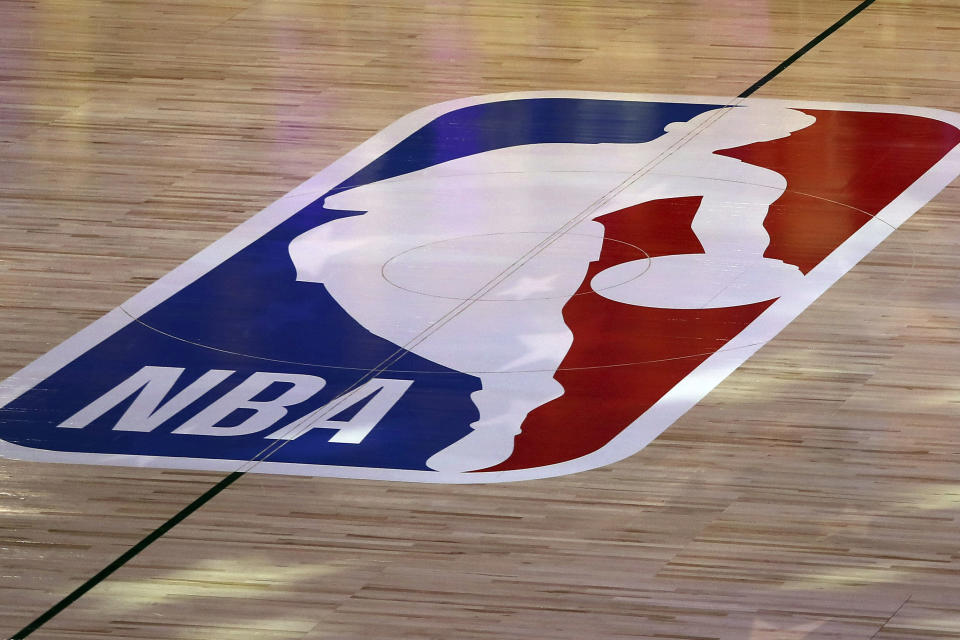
(635,437)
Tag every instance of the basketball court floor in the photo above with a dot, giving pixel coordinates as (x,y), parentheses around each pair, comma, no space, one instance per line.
(480,320)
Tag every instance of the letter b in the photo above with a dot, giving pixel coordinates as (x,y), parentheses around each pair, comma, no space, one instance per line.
(266,412)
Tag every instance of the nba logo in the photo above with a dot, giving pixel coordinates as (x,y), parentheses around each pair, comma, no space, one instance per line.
(497,288)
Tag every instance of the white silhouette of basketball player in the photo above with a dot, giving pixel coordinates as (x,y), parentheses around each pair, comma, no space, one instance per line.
(462,262)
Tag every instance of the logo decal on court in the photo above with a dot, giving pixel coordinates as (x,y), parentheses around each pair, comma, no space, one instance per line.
(497,288)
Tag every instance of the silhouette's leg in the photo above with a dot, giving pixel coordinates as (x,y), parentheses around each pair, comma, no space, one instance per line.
(515,346)
(503,402)
(732,229)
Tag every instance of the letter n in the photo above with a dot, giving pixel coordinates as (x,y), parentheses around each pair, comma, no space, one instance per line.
(151,385)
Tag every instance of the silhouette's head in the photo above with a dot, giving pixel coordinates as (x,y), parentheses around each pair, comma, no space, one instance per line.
(737,126)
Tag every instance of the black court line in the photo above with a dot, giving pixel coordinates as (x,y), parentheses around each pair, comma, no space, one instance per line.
(810,45)
(130,554)
(228,480)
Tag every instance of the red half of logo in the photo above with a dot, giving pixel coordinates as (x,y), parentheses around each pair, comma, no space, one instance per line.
(841,172)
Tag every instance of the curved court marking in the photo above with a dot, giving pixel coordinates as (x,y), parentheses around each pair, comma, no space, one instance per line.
(234,476)
(389,369)
(407,261)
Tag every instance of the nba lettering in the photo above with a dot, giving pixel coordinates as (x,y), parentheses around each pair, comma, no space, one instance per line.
(151,385)
(499,288)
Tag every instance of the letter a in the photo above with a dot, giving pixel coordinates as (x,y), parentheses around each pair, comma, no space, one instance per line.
(353,431)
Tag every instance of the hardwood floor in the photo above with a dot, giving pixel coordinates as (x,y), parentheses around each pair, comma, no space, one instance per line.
(814,494)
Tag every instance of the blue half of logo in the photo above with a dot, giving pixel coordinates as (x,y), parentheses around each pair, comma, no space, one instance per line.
(250,317)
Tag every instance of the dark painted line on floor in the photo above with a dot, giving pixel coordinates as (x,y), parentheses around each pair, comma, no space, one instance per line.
(129,555)
(810,45)
(233,477)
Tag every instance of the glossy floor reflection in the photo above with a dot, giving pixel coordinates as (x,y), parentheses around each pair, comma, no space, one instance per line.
(811,494)
(477,307)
